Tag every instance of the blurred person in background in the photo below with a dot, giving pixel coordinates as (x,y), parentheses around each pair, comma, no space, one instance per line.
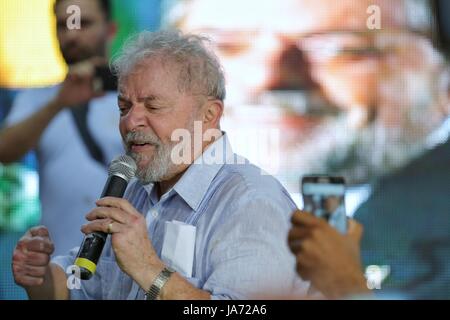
(393,83)
(56,120)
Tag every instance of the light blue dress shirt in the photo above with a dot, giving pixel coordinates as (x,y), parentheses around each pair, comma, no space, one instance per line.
(242,218)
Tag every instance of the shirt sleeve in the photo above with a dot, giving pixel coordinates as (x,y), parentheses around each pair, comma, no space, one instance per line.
(81,289)
(249,255)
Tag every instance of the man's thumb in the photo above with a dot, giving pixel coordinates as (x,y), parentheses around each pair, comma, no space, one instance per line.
(39,231)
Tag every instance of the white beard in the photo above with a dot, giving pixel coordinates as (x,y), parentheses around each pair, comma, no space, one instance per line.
(412,109)
(159,166)
(359,155)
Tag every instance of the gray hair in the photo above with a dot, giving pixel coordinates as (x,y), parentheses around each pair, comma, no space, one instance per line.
(200,73)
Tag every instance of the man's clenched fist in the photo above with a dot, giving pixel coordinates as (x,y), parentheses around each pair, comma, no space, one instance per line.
(31,257)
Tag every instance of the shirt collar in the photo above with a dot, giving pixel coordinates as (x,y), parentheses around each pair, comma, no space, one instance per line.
(195,182)
(440,135)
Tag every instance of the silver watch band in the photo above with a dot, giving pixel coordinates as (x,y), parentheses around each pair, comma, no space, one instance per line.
(159,283)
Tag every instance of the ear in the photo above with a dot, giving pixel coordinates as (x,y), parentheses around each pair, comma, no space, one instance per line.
(212,112)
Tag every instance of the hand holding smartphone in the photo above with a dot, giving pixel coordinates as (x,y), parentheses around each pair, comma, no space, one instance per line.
(104,79)
(323,196)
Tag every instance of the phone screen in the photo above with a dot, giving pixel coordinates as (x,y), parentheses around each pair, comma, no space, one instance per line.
(324,197)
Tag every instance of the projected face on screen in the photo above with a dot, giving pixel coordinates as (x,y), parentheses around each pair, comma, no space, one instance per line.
(260,44)
(272,102)
(293,66)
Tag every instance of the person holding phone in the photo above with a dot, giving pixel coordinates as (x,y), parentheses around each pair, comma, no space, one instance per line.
(71,125)
(324,241)
(326,257)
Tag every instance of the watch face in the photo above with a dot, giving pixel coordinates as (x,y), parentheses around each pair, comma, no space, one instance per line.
(171,270)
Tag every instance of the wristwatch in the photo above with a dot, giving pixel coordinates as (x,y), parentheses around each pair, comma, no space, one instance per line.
(159,283)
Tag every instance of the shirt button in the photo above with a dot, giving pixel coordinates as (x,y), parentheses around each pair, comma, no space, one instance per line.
(154,213)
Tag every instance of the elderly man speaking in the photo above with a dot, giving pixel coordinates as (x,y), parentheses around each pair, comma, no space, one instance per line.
(227,217)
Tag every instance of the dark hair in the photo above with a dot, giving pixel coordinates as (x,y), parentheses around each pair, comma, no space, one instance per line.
(105,5)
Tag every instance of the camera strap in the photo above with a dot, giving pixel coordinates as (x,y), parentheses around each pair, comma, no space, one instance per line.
(80,116)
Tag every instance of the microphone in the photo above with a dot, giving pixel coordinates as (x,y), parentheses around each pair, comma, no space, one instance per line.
(121,170)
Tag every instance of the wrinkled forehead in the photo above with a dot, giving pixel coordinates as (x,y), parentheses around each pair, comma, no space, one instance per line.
(154,65)
(159,75)
(153,69)
(296,16)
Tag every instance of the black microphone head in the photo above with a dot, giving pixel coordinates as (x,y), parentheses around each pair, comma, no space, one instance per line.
(123,166)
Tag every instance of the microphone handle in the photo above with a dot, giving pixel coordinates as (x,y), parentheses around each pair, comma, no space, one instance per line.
(93,243)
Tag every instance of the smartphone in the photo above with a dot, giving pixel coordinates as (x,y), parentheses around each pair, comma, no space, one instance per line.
(324,196)
(104,79)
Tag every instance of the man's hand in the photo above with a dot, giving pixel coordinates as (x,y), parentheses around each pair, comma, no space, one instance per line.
(31,257)
(133,249)
(78,86)
(330,260)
